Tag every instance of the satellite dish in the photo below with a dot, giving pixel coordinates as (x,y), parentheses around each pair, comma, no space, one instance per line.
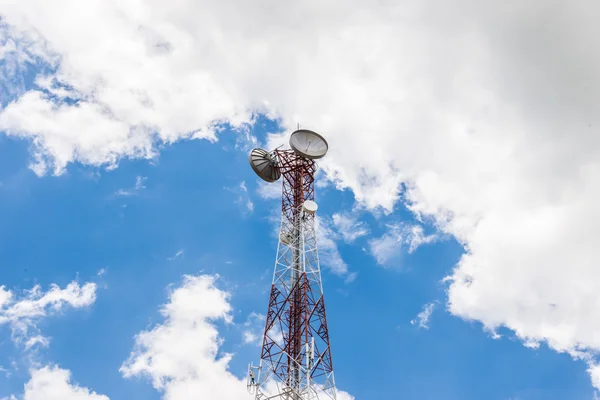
(310,207)
(308,144)
(264,165)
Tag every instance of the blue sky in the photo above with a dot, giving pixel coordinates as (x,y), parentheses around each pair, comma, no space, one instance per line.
(457,202)
(70,227)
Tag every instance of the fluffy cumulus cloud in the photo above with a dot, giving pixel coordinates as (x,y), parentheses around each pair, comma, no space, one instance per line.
(486,112)
(53,383)
(181,355)
(22,311)
(594,372)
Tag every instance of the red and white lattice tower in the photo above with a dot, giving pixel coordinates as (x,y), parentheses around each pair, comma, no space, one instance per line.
(296,359)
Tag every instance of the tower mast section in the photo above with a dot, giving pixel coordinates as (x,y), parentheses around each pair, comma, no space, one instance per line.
(296,361)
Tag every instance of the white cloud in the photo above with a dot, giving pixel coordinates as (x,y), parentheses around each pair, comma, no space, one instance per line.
(253,329)
(351,277)
(177,255)
(422,320)
(397,238)
(349,227)
(245,140)
(53,383)
(415,237)
(594,371)
(14,57)
(180,356)
(139,182)
(488,117)
(23,311)
(245,198)
(341,395)
(329,254)
(36,340)
(139,185)
(269,190)
(385,247)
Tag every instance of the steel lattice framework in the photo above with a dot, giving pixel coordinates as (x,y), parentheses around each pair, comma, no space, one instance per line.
(296,361)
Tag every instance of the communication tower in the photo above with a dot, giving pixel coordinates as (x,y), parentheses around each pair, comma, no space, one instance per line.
(295,362)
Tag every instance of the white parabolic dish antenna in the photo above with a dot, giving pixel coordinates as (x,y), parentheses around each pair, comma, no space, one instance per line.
(310,207)
(264,165)
(308,144)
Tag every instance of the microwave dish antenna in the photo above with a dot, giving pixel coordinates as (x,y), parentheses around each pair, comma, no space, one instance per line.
(308,144)
(264,164)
